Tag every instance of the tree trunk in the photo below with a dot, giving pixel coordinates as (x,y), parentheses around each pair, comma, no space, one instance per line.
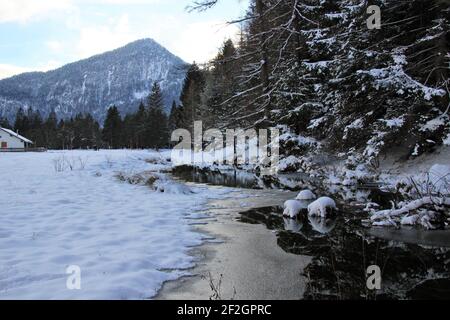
(260,8)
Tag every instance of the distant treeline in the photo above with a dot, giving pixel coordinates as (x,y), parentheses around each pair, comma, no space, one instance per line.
(147,128)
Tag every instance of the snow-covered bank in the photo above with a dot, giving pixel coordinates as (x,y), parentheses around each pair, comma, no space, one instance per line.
(406,180)
(127,239)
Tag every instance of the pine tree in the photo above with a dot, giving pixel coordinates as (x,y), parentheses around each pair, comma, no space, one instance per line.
(112,128)
(139,126)
(221,86)
(4,123)
(315,67)
(21,123)
(191,96)
(50,131)
(173,119)
(157,130)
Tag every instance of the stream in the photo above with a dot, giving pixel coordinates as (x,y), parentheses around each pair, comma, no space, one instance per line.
(415,263)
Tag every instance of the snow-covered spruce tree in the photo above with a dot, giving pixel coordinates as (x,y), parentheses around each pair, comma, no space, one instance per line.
(357,90)
(112,129)
(221,84)
(384,96)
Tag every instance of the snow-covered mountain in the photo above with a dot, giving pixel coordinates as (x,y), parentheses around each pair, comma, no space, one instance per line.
(122,77)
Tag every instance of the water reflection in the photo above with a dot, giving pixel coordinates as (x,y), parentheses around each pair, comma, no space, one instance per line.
(321,224)
(293,225)
(293,182)
(231,178)
(341,251)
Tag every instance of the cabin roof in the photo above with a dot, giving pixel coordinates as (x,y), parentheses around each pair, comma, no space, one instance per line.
(18,136)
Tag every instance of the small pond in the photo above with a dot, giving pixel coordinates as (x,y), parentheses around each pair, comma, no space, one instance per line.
(415,263)
(341,251)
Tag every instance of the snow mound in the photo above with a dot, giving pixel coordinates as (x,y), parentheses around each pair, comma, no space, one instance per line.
(292,208)
(322,207)
(306,195)
(171,187)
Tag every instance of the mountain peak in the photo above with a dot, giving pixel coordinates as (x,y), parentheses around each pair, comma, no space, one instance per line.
(122,77)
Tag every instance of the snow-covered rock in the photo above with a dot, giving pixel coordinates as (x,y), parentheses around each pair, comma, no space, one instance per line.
(306,195)
(293,207)
(322,207)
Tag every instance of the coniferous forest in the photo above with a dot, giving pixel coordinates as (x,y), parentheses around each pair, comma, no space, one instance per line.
(147,128)
(312,68)
(318,72)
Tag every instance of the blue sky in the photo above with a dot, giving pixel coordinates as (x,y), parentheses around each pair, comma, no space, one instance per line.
(45,34)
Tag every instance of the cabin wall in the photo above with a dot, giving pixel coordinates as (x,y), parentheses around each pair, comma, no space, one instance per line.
(11,141)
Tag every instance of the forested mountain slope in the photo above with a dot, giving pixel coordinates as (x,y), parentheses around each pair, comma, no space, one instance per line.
(122,77)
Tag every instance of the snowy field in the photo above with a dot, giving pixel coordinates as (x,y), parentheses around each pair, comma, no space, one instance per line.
(127,239)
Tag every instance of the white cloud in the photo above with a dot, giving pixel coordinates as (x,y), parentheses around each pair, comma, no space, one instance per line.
(7,70)
(190,38)
(200,41)
(49,65)
(121,2)
(24,10)
(98,39)
(55,46)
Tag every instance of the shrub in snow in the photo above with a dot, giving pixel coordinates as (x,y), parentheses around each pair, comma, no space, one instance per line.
(289,164)
(440,178)
(293,207)
(306,195)
(436,182)
(156,159)
(322,207)
(295,144)
(296,164)
(144,178)
(358,170)
(446,140)
(64,163)
(333,179)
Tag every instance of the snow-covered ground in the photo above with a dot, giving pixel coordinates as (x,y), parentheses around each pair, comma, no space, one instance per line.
(126,239)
